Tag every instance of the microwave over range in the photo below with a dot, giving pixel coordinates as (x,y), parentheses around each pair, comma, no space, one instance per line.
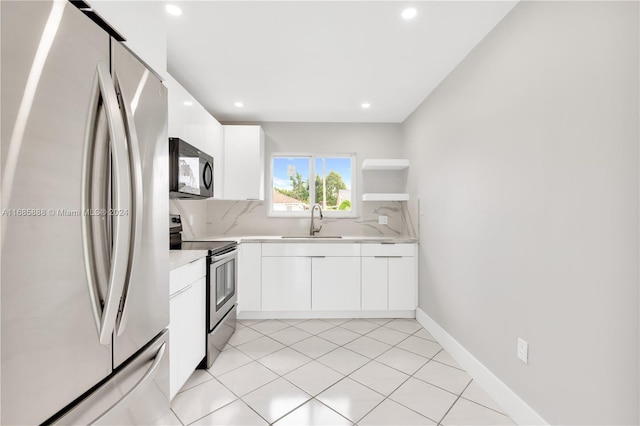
(190,171)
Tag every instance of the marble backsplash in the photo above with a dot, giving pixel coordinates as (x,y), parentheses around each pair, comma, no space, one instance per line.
(193,214)
(243,218)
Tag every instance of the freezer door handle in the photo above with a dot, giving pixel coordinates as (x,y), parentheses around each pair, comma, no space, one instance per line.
(148,376)
(135,166)
(105,315)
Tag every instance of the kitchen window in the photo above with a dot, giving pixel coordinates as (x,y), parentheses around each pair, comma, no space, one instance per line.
(298,181)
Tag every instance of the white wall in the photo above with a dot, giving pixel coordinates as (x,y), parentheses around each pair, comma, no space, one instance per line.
(367,140)
(529,178)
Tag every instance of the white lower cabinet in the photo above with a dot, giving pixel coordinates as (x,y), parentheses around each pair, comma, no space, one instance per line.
(335,283)
(402,283)
(187,322)
(249,277)
(299,279)
(389,277)
(375,295)
(286,283)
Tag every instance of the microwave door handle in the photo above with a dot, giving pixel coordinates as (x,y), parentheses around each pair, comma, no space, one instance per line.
(137,206)
(121,196)
(207,175)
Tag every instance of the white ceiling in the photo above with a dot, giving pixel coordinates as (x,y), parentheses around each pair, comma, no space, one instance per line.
(318,61)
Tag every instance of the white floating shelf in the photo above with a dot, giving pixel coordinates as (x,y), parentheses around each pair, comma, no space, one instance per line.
(385,164)
(385,197)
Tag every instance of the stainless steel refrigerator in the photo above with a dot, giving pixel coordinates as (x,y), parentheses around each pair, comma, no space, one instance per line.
(84,260)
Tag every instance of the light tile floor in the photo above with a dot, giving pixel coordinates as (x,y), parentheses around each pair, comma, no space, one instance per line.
(333,372)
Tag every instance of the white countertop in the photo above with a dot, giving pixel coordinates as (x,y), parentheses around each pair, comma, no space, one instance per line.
(178,258)
(306,239)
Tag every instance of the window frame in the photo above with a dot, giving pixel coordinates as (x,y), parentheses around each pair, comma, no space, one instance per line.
(312,175)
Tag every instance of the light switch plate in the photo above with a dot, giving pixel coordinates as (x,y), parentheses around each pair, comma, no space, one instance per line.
(383,220)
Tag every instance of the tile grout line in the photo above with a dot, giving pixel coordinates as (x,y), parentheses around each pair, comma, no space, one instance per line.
(238,398)
(257,359)
(344,376)
(183,389)
(454,403)
(482,405)
(385,397)
(174,413)
(374,359)
(325,405)
(370,360)
(333,326)
(271,381)
(221,407)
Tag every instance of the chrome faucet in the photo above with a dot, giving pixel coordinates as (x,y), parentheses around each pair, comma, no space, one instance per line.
(313,230)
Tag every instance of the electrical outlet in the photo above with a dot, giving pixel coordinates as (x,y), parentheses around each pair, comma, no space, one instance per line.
(523,351)
(382,220)
(191,219)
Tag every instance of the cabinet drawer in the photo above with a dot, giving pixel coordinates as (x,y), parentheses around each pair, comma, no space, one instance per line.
(405,250)
(310,249)
(185,275)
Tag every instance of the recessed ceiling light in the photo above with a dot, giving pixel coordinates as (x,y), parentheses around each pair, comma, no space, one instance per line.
(365,105)
(188,103)
(239,104)
(174,10)
(409,13)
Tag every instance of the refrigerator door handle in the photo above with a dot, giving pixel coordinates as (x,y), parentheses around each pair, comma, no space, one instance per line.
(148,376)
(137,197)
(105,316)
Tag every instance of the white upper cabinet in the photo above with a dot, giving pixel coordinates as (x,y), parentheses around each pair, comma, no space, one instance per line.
(243,163)
(189,121)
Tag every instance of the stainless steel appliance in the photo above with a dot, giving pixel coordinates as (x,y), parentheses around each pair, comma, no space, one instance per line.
(190,171)
(84,186)
(222,277)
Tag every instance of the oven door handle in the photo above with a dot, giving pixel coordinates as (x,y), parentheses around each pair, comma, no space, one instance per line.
(232,253)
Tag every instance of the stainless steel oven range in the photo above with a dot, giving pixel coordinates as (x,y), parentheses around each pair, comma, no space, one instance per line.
(222,276)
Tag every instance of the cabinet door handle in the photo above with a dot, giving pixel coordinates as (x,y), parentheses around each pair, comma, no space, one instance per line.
(387,257)
(317,257)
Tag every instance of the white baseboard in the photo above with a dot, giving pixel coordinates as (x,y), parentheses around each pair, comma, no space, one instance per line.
(511,403)
(250,315)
